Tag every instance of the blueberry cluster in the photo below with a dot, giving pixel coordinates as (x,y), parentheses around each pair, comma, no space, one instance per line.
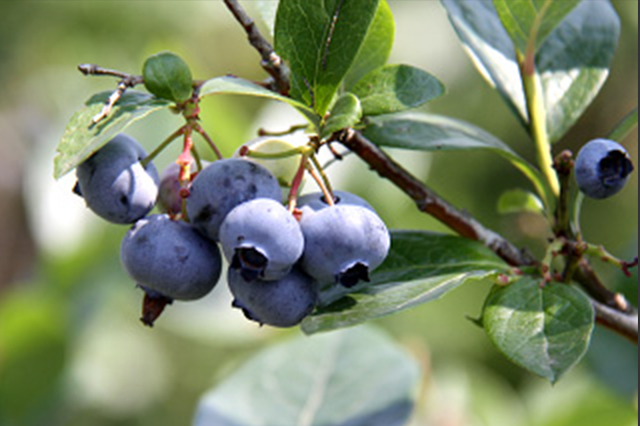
(278,259)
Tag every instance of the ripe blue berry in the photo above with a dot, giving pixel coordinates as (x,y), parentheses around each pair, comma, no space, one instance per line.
(343,243)
(115,185)
(261,239)
(282,303)
(224,184)
(317,201)
(171,258)
(602,168)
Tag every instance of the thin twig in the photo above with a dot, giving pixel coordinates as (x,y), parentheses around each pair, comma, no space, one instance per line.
(430,202)
(210,141)
(624,324)
(271,62)
(127,81)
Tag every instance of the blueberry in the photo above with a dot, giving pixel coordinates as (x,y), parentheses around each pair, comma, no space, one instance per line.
(282,303)
(343,244)
(602,168)
(284,169)
(224,184)
(317,201)
(171,258)
(169,199)
(115,185)
(262,239)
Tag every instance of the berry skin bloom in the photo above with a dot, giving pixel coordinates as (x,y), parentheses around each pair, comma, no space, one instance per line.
(602,168)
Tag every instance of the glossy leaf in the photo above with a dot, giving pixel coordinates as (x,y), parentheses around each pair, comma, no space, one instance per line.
(420,267)
(395,88)
(523,18)
(428,132)
(545,330)
(333,379)
(572,64)
(167,76)
(346,112)
(237,86)
(376,47)
(518,201)
(488,44)
(321,39)
(81,138)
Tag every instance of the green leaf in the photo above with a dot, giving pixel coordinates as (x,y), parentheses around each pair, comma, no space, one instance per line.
(81,138)
(519,200)
(521,18)
(167,76)
(237,86)
(625,127)
(346,112)
(545,330)
(376,47)
(420,267)
(333,379)
(428,132)
(572,65)
(321,39)
(488,44)
(395,88)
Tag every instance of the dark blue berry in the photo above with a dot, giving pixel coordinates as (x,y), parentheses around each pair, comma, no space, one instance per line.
(602,168)
(115,185)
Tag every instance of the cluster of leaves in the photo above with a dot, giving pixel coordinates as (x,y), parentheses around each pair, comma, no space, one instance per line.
(548,59)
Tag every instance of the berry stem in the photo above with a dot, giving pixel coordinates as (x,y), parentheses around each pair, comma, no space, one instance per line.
(301,150)
(295,184)
(208,139)
(325,178)
(173,136)
(196,157)
(563,165)
(322,183)
(601,253)
(577,210)
(546,265)
(294,128)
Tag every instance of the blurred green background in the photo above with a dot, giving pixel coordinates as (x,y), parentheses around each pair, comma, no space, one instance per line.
(72,351)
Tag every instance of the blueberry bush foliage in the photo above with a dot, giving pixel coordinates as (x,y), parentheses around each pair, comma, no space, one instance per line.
(328,59)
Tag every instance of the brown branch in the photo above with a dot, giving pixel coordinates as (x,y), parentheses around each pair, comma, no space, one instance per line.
(431,203)
(624,324)
(590,281)
(127,81)
(271,62)
(612,309)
